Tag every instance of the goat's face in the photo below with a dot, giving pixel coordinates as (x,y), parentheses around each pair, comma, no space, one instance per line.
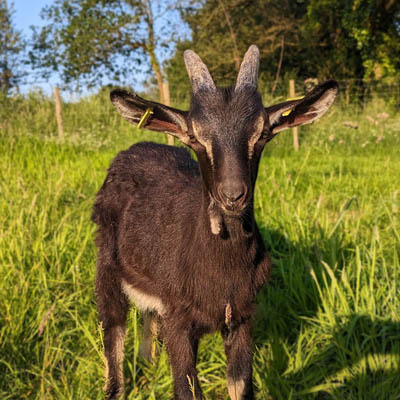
(227,128)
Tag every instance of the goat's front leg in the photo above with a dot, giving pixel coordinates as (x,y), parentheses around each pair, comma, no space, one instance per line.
(239,355)
(182,350)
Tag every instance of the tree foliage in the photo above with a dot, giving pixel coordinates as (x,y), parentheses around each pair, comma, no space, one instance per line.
(354,39)
(93,41)
(12,46)
(81,40)
(342,39)
(222,30)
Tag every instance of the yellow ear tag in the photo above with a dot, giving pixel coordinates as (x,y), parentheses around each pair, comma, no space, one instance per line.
(287,112)
(145,117)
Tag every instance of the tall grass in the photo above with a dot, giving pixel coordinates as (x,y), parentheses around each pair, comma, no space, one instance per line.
(327,325)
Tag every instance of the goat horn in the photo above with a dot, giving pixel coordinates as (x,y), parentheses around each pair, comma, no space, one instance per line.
(197,71)
(248,73)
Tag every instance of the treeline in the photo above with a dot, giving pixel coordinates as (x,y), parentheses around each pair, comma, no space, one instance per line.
(88,43)
(344,39)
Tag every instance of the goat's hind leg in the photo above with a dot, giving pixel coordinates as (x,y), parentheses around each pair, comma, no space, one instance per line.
(113,308)
(150,332)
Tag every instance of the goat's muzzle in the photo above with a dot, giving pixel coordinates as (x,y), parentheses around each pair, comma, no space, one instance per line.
(232,196)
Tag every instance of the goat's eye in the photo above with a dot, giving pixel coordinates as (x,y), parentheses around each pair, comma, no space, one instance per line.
(192,139)
(263,135)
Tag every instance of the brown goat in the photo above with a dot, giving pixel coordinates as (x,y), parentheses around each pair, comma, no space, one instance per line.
(179,238)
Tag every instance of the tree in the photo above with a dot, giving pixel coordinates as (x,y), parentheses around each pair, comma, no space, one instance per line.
(222,31)
(342,39)
(87,41)
(227,28)
(353,39)
(11,47)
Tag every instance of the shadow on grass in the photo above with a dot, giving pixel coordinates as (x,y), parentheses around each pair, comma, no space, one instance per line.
(355,357)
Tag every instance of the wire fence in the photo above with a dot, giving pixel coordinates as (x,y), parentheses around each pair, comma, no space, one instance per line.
(357,92)
(366,112)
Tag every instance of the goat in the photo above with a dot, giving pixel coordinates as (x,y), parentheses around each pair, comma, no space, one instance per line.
(179,238)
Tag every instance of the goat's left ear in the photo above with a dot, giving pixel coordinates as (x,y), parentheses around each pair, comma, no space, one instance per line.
(303,111)
(150,115)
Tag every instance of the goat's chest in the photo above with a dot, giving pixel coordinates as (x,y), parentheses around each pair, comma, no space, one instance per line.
(218,295)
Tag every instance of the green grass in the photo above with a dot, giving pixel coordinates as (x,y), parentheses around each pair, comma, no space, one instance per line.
(327,325)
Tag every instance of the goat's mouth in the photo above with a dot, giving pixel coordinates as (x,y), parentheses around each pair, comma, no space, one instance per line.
(232,209)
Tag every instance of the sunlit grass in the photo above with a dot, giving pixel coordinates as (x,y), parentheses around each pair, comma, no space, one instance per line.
(327,325)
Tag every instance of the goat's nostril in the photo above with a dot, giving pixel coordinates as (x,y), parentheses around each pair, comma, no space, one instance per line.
(232,192)
(237,195)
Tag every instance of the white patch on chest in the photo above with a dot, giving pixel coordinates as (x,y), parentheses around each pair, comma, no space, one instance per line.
(143,301)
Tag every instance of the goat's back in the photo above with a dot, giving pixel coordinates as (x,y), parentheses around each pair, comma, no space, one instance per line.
(146,205)
(155,177)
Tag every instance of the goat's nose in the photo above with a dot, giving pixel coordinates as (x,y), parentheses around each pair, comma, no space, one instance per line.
(232,191)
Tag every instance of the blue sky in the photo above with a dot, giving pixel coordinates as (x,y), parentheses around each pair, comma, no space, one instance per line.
(27,14)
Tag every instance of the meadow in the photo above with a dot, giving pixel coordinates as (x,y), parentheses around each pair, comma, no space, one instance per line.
(327,324)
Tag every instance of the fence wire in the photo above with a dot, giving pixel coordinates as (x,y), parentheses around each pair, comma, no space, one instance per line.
(357,92)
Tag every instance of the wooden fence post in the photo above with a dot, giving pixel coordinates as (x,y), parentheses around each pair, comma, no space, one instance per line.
(167,102)
(59,113)
(295,130)
(347,93)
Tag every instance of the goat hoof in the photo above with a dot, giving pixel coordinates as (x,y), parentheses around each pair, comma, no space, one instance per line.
(114,392)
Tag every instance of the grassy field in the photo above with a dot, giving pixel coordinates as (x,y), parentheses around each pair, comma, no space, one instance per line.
(327,325)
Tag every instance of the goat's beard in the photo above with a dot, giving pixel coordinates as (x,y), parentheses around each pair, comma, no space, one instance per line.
(215,216)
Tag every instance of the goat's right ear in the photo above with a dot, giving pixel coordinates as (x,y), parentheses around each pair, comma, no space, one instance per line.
(159,117)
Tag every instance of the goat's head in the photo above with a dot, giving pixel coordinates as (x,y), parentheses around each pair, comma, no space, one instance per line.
(227,128)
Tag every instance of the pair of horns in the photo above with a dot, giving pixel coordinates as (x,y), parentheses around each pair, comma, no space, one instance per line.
(201,78)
